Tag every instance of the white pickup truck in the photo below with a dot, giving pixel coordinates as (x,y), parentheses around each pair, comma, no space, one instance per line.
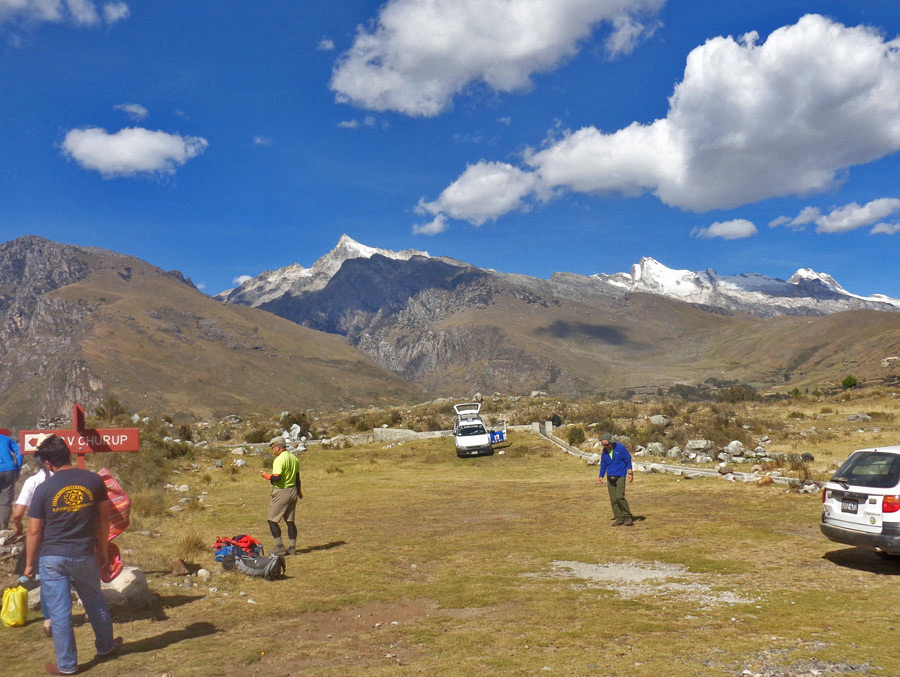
(470,434)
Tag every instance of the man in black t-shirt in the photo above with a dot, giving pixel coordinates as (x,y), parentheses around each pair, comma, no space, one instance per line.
(69,524)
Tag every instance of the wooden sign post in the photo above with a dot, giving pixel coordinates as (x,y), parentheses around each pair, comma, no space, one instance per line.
(81,440)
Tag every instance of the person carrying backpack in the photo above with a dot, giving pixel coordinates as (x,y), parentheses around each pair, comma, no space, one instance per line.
(285,479)
(10,466)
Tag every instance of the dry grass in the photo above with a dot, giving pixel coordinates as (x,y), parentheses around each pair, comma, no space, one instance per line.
(415,561)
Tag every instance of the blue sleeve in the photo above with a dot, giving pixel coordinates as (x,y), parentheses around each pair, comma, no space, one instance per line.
(604,463)
(627,458)
(19,459)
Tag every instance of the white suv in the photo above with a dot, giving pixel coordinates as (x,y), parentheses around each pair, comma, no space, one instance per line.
(469,432)
(861,503)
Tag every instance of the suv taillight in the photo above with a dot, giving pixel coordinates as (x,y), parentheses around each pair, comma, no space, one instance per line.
(824,494)
(890,504)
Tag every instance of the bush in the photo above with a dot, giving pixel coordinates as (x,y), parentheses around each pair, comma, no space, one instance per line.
(575,435)
(110,409)
(849,381)
(256,436)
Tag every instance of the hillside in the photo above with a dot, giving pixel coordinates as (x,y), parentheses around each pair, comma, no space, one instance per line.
(452,328)
(80,324)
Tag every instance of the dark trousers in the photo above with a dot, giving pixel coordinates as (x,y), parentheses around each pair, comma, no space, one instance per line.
(616,486)
(7,490)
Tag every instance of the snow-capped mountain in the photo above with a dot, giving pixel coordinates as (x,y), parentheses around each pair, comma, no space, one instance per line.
(295,279)
(805,293)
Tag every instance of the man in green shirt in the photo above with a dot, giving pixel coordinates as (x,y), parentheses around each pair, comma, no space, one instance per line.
(285,479)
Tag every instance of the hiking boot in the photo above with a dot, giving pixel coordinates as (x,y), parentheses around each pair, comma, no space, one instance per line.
(617,522)
(292,550)
(279,550)
(628,522)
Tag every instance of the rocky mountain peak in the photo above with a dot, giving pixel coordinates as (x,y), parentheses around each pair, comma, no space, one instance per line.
(296,280)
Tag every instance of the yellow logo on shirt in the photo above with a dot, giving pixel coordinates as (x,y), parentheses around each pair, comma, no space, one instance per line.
(73,498)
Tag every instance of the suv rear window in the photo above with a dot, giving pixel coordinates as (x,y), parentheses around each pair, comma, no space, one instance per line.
(873,469)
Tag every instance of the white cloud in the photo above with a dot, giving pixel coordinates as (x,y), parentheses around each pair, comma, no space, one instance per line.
(627,33)
(748,122)
(262,140)
(240,279)
(78,12)
(853,216)
(505,120)
(130,151)
(727,230)
(417,55)
(886,229)
(134,110)
(349,124)
(326,45)
(804,218)
(482,192)
(115,11)
(433,227)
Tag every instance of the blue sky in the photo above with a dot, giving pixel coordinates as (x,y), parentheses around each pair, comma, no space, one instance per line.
(529,136)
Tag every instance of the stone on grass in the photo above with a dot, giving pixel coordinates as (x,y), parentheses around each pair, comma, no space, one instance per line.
(658,419)
(133,584)
(180,568)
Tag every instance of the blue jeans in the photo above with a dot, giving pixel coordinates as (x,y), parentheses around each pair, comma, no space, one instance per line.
(57,573)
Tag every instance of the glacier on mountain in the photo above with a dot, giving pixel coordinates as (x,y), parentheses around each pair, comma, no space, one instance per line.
(805,293)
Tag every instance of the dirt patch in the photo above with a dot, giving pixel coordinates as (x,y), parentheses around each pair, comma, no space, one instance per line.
(639,579)
(373,616)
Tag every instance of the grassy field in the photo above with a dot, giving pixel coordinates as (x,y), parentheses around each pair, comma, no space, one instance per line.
(416,562)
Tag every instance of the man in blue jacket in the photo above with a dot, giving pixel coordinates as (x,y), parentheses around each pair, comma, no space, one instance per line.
(615,463)
(10,466)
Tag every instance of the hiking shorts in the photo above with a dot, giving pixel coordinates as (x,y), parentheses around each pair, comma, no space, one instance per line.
(283,504)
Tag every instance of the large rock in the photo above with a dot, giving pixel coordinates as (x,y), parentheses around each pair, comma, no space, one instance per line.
(698,445)
(735,448)
(657,449)
(658,419)
(132,583)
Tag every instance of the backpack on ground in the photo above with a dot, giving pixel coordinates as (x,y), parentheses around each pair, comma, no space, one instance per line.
(270,567)
(242,545)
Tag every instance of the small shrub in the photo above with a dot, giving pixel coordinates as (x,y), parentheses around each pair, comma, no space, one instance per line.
(256,436)
(826,410)
(334,469)
(798,415)
(850,381)
(184,432)
(189,545)
(575,435)
(111,409)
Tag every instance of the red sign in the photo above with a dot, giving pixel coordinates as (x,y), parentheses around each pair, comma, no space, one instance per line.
(81,440)
(85,441)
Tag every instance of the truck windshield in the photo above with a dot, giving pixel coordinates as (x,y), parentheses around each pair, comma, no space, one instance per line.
(873,469)
(469,430)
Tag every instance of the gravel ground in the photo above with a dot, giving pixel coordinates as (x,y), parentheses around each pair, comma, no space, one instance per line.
(637,579)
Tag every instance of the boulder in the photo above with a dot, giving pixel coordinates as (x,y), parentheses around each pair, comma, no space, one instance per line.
(238,452)
(133,584)
(657,449)
(699,445)
(735,448)
(114,598)
(765,481)
(658,419)
(594,459)
(180,568)
(859,417)
(239,463)
(673,453)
